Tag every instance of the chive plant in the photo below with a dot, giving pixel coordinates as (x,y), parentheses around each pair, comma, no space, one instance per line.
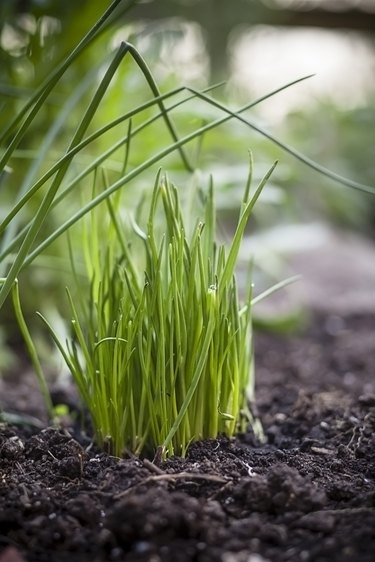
(161,350)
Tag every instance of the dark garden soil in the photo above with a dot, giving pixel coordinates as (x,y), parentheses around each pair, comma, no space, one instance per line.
(306,495)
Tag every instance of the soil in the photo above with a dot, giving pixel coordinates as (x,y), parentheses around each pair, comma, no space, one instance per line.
(307,494)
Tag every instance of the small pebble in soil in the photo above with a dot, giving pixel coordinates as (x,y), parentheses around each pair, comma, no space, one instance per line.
(116,554)
(324,425)
(11,448)
(141,547)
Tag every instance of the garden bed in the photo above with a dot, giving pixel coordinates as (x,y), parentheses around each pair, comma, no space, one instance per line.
(307,495)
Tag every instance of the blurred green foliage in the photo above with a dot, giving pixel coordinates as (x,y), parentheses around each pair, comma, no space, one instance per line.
(35,34)
(342,140)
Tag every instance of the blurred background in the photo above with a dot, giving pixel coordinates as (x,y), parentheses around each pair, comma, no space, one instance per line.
(255,46)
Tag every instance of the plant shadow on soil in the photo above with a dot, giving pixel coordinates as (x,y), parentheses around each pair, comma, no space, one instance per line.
(307,495)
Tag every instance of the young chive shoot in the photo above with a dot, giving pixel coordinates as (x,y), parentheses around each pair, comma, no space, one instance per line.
(162,351)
